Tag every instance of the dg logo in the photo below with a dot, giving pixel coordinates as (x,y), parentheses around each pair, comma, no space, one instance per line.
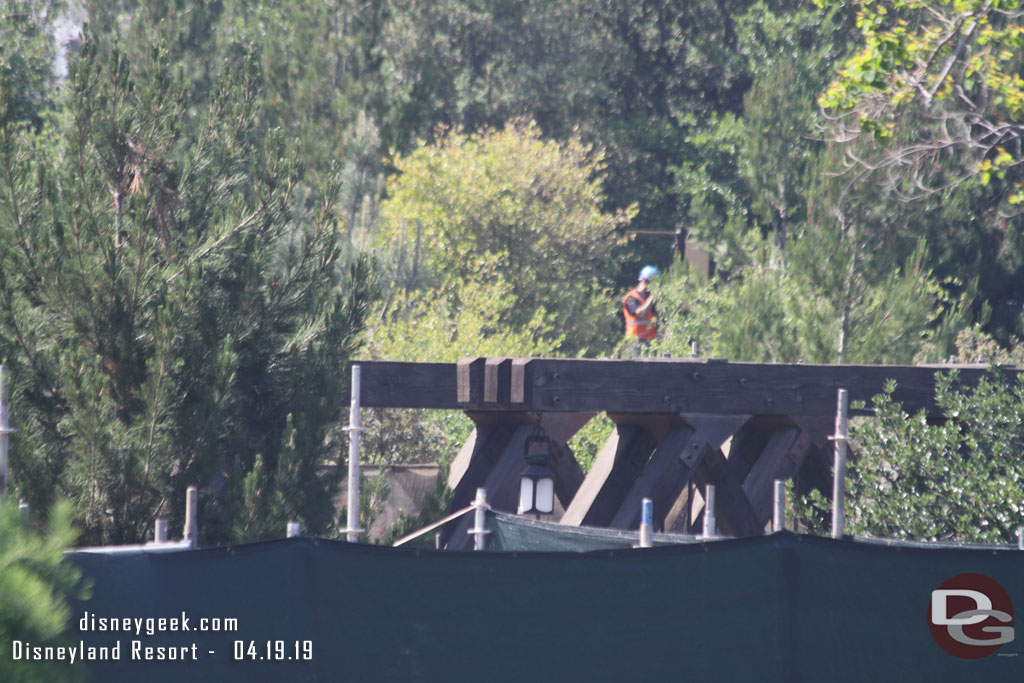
(970,616)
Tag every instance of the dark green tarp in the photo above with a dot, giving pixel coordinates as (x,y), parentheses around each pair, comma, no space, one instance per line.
(515,532)
(772,608)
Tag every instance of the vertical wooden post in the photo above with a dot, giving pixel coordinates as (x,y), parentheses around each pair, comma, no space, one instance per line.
(839,476)
(160,531)
(779,516)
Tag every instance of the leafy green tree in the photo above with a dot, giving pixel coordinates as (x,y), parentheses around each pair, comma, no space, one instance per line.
(506,209)
(164,304)
(36,582)
(634,78)
(956,481)
(947,74)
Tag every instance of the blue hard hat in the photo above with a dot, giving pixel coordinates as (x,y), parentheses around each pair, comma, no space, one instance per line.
(648,273)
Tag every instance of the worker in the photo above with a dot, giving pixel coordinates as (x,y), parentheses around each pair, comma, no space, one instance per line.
(640,312)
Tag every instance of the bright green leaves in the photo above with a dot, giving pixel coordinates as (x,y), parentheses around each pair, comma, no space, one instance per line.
(508,213)
(947,73)
(961,480)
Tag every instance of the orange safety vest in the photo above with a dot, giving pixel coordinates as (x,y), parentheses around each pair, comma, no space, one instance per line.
(642,326)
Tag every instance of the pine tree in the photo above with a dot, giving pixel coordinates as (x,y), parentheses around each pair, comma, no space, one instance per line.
(164,304)
(35,584)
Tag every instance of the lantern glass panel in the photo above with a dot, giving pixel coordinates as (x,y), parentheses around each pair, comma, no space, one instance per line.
(525,495)
(545,495)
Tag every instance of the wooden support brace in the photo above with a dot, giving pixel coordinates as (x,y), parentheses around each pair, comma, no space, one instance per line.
(664,475)
(672,466)
(493,457)
(733,510)
(501,484)
(610,478)
(475,459)
(780,459)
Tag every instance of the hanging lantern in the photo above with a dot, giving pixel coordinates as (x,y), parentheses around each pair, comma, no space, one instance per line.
(537,481)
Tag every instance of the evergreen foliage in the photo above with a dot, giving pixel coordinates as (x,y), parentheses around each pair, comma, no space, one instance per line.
(185,218)
(163,305)
(35,585)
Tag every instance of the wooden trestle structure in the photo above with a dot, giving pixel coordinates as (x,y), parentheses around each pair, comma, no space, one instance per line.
(672,418)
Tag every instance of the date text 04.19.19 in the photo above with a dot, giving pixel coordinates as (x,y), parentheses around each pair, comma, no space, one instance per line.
(274,650)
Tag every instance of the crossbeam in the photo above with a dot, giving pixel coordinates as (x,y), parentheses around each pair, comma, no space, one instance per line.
(654,385)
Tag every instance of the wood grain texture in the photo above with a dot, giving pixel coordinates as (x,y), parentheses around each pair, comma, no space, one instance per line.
(393,384)
(650,385)
(610,478)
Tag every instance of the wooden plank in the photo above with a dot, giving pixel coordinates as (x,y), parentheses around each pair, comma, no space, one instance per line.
(614,470)
(672,466)
(522,382)
(568,473)
(733,510)
(501,484)
(674,385)
(391,384)
(475,460)
(498,381)
(661,480)
(470,376)
(655,385)
(786,444)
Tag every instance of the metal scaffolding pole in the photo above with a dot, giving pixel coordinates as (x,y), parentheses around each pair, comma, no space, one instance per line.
(354,429)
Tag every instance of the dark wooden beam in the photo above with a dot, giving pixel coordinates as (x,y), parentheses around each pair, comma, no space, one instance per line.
(469,374)
(733,511)
(497,381)
(651,385)
(661,479)
(672,465)
(676,385)
(392,384)
(780,459)
(610,478)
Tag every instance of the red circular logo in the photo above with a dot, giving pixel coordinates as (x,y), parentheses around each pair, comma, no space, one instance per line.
(970,616)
